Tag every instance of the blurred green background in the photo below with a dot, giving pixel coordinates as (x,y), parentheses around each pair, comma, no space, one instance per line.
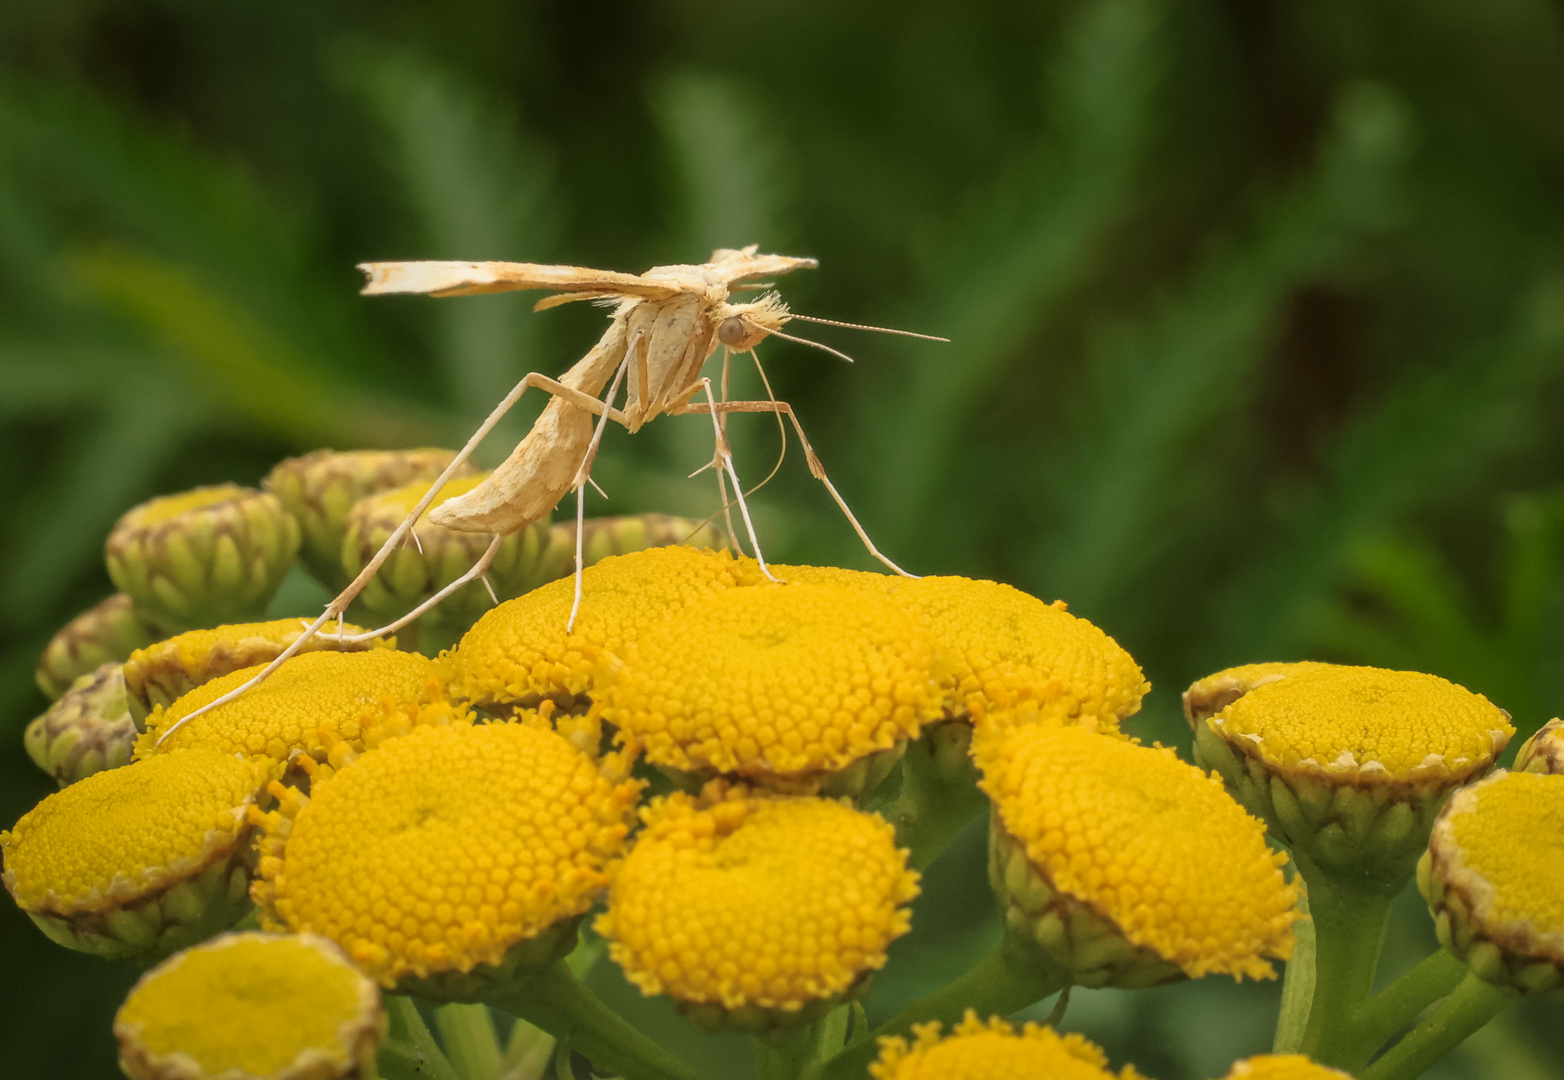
(1257,315)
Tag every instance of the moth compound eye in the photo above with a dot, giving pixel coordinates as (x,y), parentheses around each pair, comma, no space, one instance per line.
(732,331)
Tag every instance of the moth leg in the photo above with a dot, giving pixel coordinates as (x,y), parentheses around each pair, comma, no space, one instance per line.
(715,409)
(339,604)
(479,569)
(584,475)
(816,469)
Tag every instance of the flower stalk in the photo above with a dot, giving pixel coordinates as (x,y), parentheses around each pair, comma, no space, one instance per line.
(1471,1005)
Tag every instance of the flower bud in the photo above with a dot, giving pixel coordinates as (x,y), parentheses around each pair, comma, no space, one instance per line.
(158,675)
(320,488)
(1349,765)
(206,557)
(252,1006)
(138,861)
(88,730)
(108,631)
(605,536)
(1493,877)
(433,557)
(1544,751)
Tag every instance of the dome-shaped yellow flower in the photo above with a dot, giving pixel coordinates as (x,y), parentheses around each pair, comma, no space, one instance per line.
(1494,878)
(93,862)
(330,691)
(519,653)
(755,910)
(1007,647)
(793,681)
(975,1050)
(1282,1067)
(1150,844)
(446,849)
(251,1007)
(1209,696)
(162,673)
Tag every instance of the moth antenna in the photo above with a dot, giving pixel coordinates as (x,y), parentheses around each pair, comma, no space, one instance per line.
(812,345)
(862,326)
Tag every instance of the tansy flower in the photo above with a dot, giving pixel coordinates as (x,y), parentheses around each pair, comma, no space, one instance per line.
(1282,1067)
(320,488)
(1209,696)
(435,556)
(110,630)
(519,653)
(88,730)
(756,911)
(251,1007)
(208,556)
(1349,764)
(1544,751)
(793,682)
(1125,865)
(1008,648)
(140,860)
(162,673)
(1494,879)
(975,1050)
(448,859)
(320,691)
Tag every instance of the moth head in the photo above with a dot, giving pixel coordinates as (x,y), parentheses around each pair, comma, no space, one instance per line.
(742,326)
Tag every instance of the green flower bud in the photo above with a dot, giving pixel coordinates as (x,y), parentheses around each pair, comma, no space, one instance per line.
(111,630)
(88,730)
(319,489)
(417,570)
(1544,751)
(1493,877)
(1349,765)
(202,558)
(605,536)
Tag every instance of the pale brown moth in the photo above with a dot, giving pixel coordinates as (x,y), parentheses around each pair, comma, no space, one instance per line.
(666,323)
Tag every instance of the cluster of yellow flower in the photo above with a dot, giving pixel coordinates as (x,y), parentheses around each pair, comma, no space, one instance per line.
(441,826)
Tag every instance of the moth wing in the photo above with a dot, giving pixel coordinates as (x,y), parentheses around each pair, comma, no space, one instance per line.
(472,278)
(740,265)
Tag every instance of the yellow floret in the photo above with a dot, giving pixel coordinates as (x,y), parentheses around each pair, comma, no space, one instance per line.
(251,1005)
(1214,693)
(1008,647)
(1282,1067)
(519,653)
(744,899)
(1501,843)
(975,1050)
(322,691)
(775,680)
(1367,723)
(829,575)
(161,673)
(1149,842)
(441,849)
(120,835)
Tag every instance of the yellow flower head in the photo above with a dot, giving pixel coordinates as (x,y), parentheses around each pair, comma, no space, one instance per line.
(1148,842)
(1544,751)
(518,654)
(162,673)
(1008,647)
(794,680)
(975,1050)
(92,863)
(322,691)
(1369,724)
(1282,1067)
(1494,878)
(741,899)
(251,1007)
(1211,695)
(443,849)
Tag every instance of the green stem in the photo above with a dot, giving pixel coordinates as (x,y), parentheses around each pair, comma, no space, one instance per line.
(926,812)
(1470,1005)
(467,1032)
(1349,931)
(561,1005)
(1398,1004)
(996,986)
(528,1052)
(410,1052)
(1297,986)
